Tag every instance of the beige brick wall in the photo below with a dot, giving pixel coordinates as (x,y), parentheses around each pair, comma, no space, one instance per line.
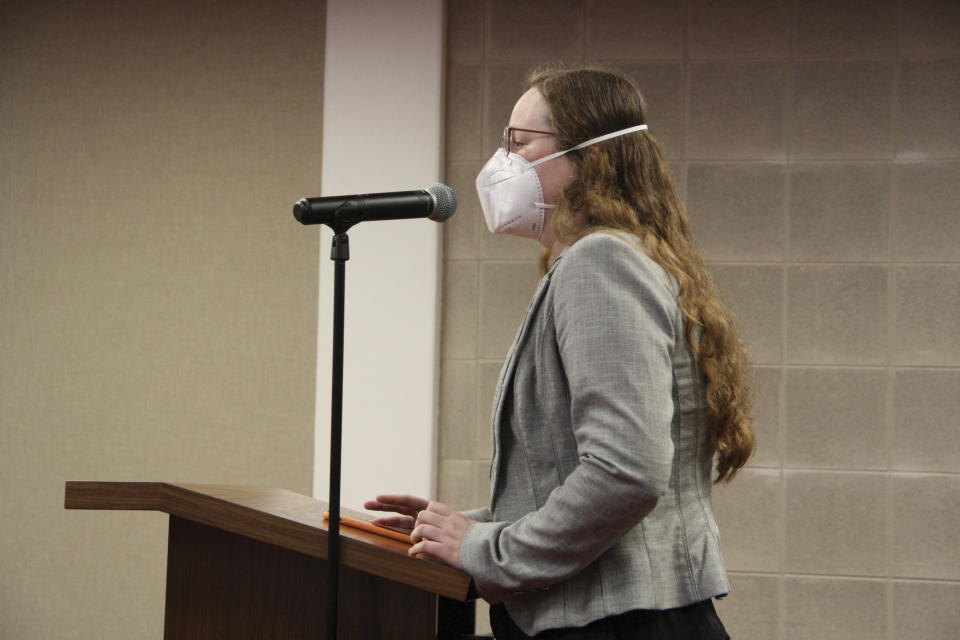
(817,145)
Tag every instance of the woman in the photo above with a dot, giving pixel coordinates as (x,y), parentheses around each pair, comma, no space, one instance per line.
(625,381)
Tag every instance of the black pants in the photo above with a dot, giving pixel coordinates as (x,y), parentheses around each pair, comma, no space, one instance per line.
(697,621)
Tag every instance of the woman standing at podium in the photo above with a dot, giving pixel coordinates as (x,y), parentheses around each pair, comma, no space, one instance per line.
(625,382)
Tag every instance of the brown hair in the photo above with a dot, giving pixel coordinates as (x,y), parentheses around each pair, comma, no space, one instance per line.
(623,184)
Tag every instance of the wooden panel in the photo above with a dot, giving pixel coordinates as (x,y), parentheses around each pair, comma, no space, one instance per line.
(401,611)
(136,496)
(274,516)
(223,585)
(254,512)
(296,522)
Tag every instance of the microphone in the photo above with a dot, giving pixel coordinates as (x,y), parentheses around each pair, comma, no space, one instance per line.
(437,202)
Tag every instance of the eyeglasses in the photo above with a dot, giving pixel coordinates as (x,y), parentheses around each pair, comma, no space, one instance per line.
(507,141)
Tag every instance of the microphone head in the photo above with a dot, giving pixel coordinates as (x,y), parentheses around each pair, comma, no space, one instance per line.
(301,210)
(444,201)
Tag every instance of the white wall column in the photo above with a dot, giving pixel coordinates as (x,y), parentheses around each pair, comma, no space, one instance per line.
(382,131)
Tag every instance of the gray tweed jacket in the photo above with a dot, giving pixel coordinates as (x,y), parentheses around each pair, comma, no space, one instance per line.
(600,478)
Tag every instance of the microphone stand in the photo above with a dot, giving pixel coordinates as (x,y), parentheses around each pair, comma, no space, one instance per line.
(339,253)
(348,212)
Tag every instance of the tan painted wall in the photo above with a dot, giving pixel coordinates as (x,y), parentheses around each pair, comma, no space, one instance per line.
(157,299)
(817,145)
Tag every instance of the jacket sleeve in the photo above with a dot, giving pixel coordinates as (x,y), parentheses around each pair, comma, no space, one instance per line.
(614,316)
(481,514)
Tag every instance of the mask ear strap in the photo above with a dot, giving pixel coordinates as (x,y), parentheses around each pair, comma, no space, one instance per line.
(606,136)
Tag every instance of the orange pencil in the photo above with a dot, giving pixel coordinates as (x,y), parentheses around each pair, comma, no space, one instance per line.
(370,528)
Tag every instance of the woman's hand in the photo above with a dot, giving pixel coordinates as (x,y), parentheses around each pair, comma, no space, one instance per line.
(438,532)
(409,506)
(434,528)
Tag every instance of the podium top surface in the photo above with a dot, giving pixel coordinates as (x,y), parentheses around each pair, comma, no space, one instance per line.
(275,516)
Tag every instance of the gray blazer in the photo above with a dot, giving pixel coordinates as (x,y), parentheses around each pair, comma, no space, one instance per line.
(601,470)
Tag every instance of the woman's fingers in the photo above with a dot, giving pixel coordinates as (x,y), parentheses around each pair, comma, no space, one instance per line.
(429,517)
(439,507)
(436,513)
(406,523)
(395,508)
(429,547)
(434,528)
(434,523)
(427,532)
(445,553)
(412,502)
(438,532)
(405,504)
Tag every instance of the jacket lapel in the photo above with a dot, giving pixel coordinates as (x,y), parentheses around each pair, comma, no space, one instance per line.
(506,376)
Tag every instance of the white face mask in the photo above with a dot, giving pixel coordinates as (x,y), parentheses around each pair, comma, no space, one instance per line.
(510,193)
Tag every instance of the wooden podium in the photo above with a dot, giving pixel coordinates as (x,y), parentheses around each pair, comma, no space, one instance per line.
(249,562)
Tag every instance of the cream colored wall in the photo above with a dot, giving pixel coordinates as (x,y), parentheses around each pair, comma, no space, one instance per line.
(383,121)
(817,145)
(157,299)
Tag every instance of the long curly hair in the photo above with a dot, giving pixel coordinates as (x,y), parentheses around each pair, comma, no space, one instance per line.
(623,184)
